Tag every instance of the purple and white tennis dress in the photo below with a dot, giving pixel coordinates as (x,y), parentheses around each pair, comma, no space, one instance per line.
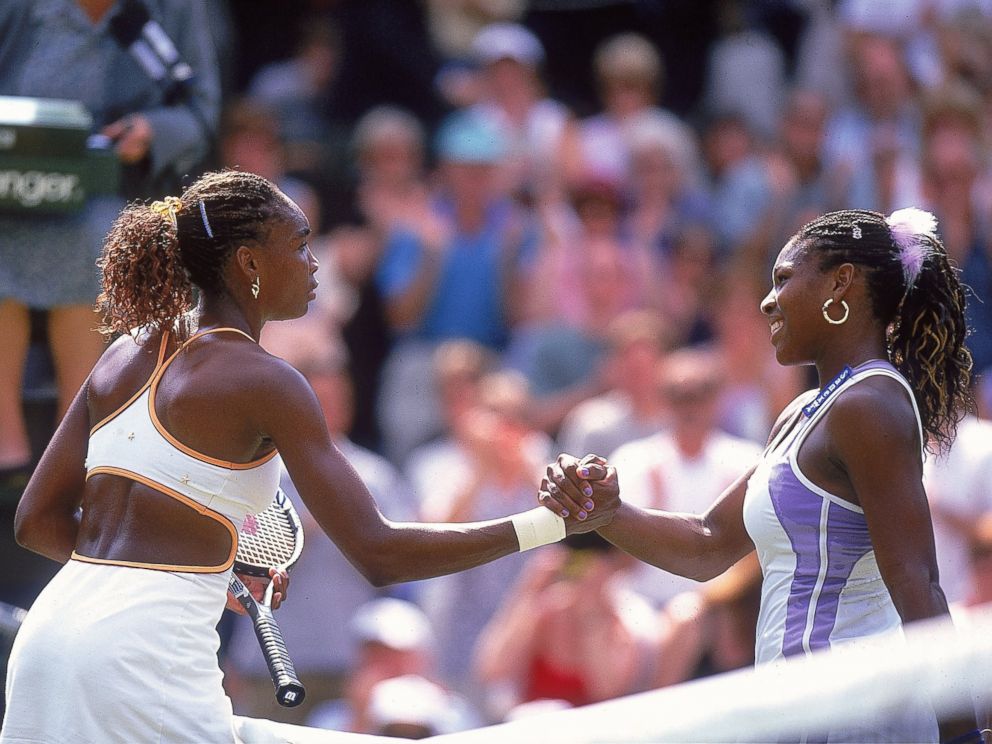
(821,585)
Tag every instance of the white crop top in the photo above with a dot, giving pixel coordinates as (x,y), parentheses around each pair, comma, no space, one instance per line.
(133,443)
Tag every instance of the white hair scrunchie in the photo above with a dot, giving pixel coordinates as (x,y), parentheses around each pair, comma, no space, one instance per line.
(908,227)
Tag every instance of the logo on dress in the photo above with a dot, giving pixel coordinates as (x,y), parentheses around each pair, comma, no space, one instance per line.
(829,389)
(250,527)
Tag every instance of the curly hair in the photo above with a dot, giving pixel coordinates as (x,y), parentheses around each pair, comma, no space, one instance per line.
(150,265)
(924,317)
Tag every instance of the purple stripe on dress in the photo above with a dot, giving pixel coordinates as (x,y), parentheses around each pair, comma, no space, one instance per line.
(798,512)
(848,542)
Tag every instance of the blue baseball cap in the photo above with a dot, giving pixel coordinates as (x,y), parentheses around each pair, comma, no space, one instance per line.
(467,137)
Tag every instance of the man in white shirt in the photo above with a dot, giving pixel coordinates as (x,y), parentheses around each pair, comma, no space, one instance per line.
(685,467)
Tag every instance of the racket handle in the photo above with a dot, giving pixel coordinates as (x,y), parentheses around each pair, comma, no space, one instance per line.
(290,692)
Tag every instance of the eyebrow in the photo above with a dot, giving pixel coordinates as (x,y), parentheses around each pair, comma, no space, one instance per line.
(303,232)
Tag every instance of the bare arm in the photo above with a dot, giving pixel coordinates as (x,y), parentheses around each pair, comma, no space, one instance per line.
(384,552)
(696,546)
(47,520)
(885,472)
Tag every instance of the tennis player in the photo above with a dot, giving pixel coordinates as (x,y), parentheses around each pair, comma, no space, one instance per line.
(835,506)
(176,435)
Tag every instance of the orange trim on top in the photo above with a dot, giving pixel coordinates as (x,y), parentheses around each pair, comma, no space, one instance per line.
(175,442)
(182,498)
(158,363)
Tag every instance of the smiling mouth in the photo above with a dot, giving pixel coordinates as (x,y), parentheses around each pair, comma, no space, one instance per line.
(776,327)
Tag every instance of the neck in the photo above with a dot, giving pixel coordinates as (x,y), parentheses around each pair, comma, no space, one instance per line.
(223,312)
(849,355)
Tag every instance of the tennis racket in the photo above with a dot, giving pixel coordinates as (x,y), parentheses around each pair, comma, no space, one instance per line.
(271,539)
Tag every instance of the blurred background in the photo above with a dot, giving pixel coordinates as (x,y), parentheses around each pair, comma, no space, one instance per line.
(543,226)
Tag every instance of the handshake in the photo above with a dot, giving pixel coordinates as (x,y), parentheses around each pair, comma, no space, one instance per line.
(584,493)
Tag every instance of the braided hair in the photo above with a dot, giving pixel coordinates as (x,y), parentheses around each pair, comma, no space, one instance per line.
(915,291)
(155,254)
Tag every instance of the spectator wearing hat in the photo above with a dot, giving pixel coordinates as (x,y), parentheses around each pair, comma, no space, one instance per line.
(395,640)
(541,134)
(451,275)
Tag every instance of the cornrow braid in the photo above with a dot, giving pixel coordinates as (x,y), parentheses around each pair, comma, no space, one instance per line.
(150,267)
(925,321)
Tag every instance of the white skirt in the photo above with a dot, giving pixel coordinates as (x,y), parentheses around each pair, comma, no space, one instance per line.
(117,654)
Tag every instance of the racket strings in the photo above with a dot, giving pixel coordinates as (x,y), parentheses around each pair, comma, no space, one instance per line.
(269,539)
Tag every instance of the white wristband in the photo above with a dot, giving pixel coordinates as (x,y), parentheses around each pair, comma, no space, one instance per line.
(537,527)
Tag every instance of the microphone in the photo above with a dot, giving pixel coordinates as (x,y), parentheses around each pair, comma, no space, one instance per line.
(135,30)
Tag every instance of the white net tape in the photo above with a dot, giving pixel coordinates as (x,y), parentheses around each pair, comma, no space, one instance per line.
(860,685)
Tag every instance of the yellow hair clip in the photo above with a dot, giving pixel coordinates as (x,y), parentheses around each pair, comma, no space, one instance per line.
(169,207)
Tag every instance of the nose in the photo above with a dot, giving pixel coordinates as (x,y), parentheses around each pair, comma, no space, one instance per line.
(768,304)
(314,263)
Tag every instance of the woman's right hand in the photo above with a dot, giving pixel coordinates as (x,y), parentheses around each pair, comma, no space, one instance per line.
(585,492)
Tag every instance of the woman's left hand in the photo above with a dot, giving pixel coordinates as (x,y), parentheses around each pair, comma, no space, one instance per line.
(257,586)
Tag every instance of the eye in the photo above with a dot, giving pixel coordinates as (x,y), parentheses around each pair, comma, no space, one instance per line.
(305,247)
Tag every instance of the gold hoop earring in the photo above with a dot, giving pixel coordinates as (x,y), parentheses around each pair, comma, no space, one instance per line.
(255,288)
(831,321)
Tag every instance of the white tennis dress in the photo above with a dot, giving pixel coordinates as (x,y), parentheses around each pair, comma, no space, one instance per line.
(113,651)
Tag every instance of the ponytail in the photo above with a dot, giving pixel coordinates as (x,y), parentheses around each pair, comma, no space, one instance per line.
(927,345)
(145,284)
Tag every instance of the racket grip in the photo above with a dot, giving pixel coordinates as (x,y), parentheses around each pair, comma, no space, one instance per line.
(290,692)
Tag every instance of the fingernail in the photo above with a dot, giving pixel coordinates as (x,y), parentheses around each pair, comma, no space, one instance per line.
(587,489)
(582,515)
(584,472)
(590,505)
(564,512)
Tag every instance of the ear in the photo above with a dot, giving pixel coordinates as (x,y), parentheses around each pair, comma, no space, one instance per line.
(245,260)
(843,278)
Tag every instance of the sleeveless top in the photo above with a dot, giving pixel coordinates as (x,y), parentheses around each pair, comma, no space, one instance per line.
(821,584)
(133,443)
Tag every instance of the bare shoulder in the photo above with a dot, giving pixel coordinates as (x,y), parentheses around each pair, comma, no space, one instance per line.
(876,410)
(125,364)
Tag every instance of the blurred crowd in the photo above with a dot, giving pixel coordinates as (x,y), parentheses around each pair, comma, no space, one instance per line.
(546,226)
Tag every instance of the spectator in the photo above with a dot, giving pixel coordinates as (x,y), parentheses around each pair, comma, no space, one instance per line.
(630,76)
(502,467)
(957,188)
(746,71)
(450,276)
(664,183)
(607,652)
(881,122)
(959,488)
(459,367)
(295,89)
(681,467)
(395,641)
(542,136)
(631,407)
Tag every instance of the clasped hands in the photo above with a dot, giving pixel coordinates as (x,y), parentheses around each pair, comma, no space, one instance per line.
(584,492)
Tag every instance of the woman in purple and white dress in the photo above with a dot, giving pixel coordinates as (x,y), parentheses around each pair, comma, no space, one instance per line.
(835,506)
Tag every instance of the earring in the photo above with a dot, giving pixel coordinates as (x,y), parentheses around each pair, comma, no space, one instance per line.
(831,321)
(255,288)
